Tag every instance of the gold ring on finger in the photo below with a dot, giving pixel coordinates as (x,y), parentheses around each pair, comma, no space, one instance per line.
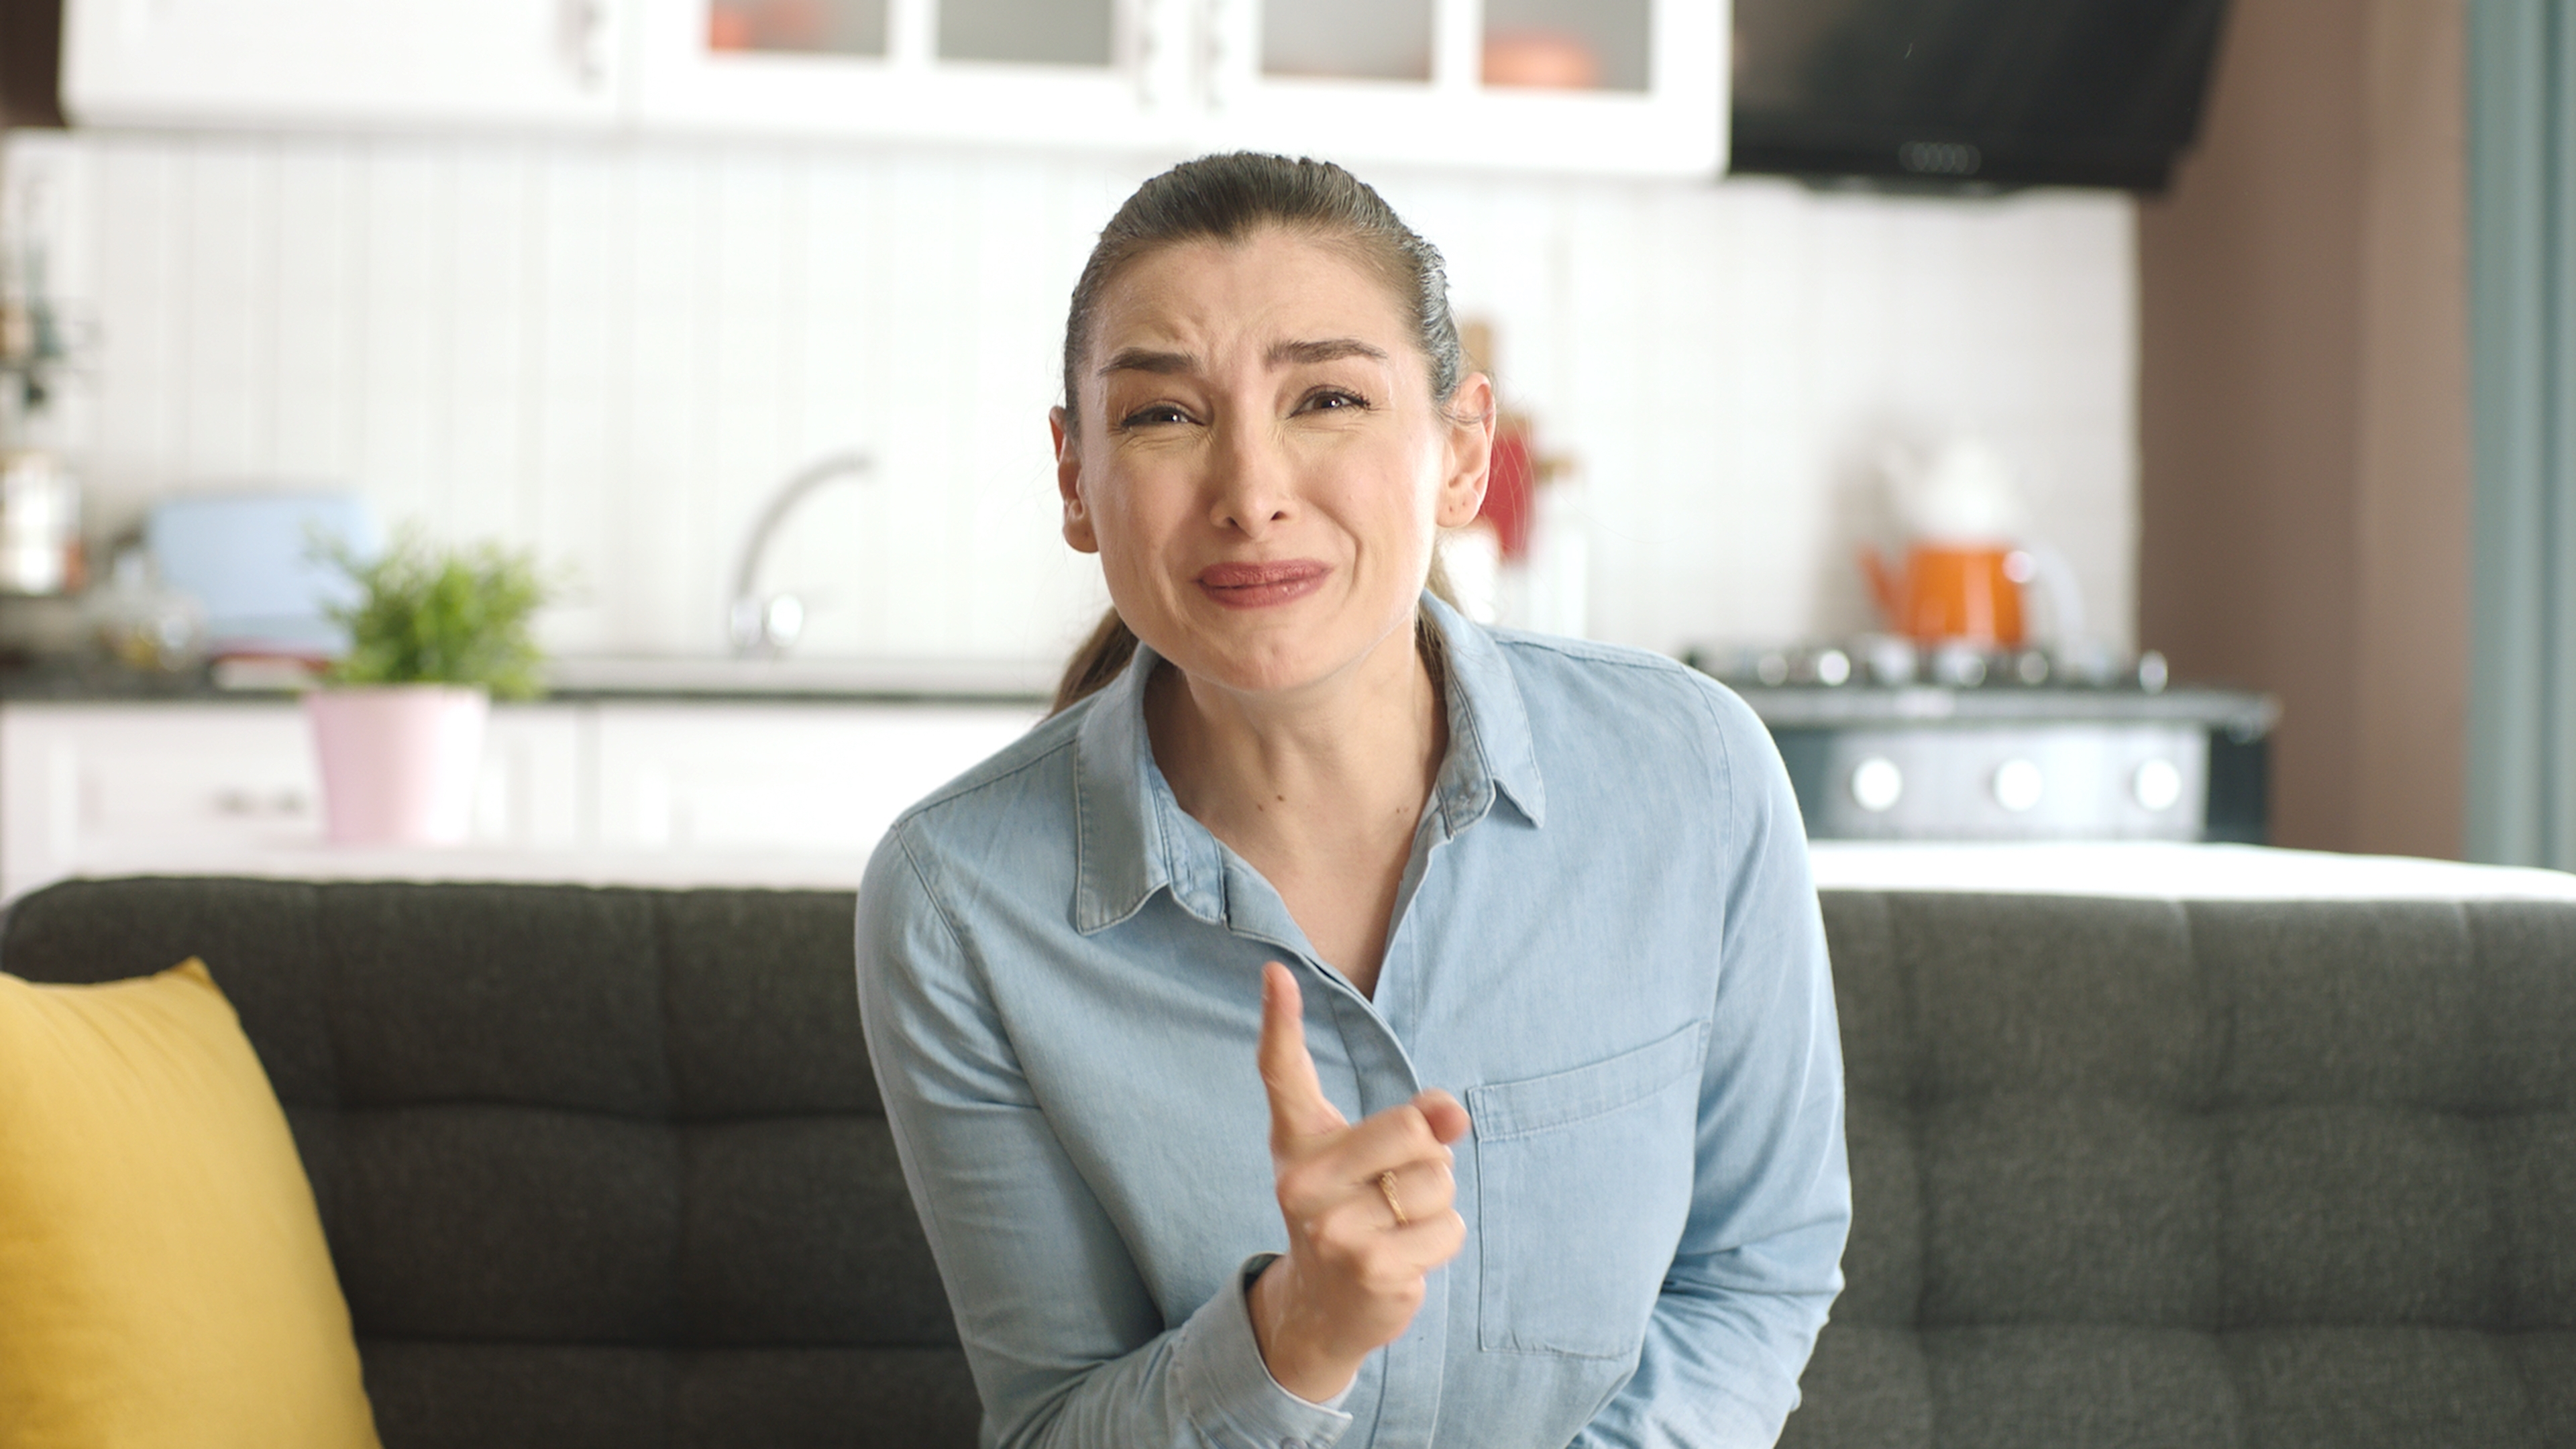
(1386,1189)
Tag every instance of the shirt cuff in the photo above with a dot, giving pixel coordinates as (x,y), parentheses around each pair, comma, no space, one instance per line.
(1228,1390)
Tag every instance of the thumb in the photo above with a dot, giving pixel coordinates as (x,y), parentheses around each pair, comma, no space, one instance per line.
(1298,1107)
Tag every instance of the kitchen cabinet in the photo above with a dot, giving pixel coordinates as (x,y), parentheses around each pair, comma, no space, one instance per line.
(114,789)
(521,64)
(1634,86)
(780,777)
(1101,73)
(1616,86)
(1612,86)
(600,790)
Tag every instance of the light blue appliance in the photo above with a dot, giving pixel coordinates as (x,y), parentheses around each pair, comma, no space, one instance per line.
(254,561)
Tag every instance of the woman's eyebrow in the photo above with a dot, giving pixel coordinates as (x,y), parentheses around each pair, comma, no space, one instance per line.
(1327,350)
(1282,354)
(1143,359)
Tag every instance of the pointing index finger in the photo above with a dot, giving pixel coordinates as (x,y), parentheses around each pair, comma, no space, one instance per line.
(1298,1107)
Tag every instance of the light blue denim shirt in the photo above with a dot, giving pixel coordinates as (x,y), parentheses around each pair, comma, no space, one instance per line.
(1606,945)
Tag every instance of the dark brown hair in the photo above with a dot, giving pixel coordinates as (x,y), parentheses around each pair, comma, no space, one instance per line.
(1227,198)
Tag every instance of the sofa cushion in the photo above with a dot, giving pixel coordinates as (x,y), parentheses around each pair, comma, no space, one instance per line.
(161,1260)
(2382,1388)
(573,1396)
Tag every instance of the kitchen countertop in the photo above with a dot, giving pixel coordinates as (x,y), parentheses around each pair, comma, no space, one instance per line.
(862,680)
(575,679)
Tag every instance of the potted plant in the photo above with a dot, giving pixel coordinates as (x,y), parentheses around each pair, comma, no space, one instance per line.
(435,634)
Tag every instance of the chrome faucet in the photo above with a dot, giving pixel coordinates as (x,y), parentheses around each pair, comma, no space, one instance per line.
(764,628)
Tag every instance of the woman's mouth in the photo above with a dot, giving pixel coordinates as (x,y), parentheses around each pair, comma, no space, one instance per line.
(1261,585)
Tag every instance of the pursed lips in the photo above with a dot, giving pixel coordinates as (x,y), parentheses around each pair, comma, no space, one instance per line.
(1258,585)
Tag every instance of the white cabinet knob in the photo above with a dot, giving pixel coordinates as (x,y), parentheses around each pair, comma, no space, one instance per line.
(2156,785)
(2018,785)
(1876,784)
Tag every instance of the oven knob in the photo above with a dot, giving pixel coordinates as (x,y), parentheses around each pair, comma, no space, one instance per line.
(2017,785)
(1876,784)
(2156,785)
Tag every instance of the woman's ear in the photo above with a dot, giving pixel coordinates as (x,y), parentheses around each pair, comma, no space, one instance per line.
(1068,484)
(1470,454)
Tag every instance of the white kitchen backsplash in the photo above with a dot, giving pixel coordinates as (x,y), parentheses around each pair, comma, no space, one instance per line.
(612,352)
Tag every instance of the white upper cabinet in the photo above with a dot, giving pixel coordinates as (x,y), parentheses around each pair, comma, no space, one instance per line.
(1059,72)
(1606,86)
(1621,86)
(342,64)
(1618,86)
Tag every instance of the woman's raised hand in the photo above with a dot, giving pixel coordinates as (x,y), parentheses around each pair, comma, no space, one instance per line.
(1368,1210)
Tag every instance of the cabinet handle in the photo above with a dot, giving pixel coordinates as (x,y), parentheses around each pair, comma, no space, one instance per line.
(1219,43)
(581,29)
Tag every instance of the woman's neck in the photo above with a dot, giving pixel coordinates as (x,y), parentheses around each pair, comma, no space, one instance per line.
(1320,789)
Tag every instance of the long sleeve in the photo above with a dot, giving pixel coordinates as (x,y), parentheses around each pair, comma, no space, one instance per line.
(1067,1347)
(1760,1257)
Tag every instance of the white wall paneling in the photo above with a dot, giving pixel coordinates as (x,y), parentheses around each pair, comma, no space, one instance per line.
(611,351)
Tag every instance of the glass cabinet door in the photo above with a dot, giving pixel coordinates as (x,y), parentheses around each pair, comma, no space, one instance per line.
(1030,32)
(1577,45)
(1348,40)
(797,27)
(1633,86)
(1079,72)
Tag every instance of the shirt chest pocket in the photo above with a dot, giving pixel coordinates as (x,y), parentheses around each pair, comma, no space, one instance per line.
(1583,1180)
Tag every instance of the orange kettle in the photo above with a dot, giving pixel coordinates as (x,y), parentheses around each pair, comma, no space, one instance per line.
(1952,592)
(1962,577)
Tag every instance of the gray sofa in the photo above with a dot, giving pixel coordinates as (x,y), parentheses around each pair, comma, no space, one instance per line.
(608,1168)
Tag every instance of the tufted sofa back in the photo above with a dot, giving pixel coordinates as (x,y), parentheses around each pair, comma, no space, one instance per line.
(597,1167)
(2144,1173)
(608,1167)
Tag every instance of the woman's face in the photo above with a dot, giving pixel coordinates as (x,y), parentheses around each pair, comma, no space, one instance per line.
(1260,464)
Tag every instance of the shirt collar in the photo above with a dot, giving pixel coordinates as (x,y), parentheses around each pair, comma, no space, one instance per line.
(1131,837)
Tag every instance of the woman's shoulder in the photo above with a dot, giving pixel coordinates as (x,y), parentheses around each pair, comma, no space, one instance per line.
(1021,784)
(1616,687)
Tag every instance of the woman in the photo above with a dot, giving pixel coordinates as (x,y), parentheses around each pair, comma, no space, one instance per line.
(1169,1000)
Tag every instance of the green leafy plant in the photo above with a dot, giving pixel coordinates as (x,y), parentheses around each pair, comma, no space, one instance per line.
(428,614)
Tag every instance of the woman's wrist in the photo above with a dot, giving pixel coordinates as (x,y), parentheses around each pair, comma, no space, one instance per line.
(1295,1361)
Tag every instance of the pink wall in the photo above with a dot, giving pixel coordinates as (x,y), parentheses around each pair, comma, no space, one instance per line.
(2304,471)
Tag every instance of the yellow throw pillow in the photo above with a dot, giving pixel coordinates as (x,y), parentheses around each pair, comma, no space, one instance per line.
(163,1278)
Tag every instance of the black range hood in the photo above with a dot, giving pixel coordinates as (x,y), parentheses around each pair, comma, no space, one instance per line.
(1970,95)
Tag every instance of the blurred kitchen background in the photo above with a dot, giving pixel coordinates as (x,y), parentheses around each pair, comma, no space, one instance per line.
(603,303)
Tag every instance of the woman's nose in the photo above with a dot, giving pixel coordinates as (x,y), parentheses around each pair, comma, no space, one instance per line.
(1252,482)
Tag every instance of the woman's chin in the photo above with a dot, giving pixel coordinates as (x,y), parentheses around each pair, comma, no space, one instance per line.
(1266,672)
(1279,662)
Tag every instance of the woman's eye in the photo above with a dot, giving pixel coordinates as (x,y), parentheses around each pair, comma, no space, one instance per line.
(1332,399)
(1158,413)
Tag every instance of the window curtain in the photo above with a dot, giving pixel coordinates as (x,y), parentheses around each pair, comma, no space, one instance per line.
(2522,291)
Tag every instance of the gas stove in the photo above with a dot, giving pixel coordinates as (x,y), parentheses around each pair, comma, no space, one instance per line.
(1886,740)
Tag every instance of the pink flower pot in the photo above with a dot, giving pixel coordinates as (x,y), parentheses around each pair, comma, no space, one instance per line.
(399,761)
